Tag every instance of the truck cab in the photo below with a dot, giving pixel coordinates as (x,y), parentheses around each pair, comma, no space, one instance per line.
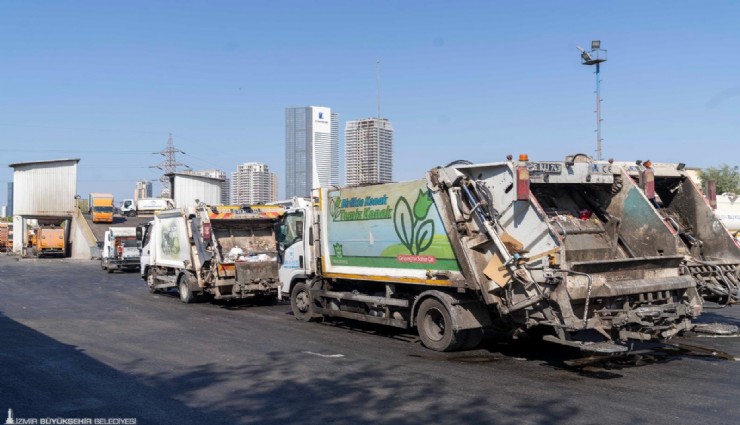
(101,207)
(128,208)
(295,239)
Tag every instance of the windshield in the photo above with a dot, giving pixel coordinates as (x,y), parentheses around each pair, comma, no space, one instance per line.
(291,230)
(130,243)
(103,209)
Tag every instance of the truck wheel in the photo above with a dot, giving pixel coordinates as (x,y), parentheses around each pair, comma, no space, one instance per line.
(436,328)
(186,294)
(301,302)
(109,270)
(150,281)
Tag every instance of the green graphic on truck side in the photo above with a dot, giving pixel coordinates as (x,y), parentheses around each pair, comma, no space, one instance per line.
(365,231)
(416,235)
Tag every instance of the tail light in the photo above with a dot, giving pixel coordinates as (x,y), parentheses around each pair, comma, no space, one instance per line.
(584,214)
(522,179)
(647,181)
(206,230)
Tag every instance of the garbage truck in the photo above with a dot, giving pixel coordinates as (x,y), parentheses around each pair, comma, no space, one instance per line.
(711,255)
(120,250)
(206,253)
(570,250)
(145,206)
(48,241)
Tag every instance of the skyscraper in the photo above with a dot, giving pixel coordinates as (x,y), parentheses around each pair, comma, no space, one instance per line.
(225,184)
(9,210)
(311,149)
(253,183)
(368,151)
(143,190)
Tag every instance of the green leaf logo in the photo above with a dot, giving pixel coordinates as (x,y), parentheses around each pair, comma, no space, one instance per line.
(338,250)
(335,210)
(413,230)
(422,205)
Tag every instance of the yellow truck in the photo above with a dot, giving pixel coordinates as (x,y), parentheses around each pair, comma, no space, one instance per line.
(101,207)
(49,241)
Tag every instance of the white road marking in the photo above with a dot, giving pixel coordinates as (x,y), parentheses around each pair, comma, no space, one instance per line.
(331,356)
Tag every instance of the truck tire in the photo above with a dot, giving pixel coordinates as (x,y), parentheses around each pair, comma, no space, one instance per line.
(301,302)
(150,281)
(187,296)
(436,328)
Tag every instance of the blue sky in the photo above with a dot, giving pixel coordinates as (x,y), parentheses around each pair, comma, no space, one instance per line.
(107,81)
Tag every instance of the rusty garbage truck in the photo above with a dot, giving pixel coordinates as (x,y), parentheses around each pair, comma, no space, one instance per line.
(711,254)
(572,250)
(206,253)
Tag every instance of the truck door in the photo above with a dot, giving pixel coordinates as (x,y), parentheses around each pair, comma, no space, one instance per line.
(146,238)
(290,238)
(106,246)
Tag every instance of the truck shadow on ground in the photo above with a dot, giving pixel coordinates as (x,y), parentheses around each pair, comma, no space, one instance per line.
(42,377)
(290,387)
(497,347)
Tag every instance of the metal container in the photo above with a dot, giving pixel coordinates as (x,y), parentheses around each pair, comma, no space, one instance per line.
(45,188)
(188,190)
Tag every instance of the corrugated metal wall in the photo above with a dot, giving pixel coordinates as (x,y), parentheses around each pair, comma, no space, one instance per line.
(188,188)
(46,188)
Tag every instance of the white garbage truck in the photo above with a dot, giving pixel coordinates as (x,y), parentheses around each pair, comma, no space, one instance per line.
(206,253)
(145,206)
(120,249)
(571,248)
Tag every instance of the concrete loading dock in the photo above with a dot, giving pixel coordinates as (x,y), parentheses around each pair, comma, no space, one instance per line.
(45,191)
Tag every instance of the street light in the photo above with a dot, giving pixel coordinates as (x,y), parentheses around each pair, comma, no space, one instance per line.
(595,57)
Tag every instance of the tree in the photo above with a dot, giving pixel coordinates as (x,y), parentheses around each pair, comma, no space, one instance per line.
(726,177)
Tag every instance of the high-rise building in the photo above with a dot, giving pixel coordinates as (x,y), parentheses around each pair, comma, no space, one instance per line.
(253,183)
(368,151)
(311,149)
(9,210)
(225,184)
(143,190)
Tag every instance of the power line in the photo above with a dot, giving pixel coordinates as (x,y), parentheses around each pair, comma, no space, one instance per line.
(169,165)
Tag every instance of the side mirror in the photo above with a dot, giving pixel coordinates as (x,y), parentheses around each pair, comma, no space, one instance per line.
(139,233)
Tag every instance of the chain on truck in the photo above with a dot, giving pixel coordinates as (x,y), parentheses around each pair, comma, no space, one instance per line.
(207,253)
(572,248)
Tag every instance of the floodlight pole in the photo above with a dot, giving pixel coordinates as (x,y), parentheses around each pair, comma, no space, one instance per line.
(595,57)
(598,113)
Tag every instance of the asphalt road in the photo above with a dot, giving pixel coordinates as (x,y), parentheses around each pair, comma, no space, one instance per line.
(78,342)
(99,229)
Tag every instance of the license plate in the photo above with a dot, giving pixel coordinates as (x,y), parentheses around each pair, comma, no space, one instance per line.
(545,167)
